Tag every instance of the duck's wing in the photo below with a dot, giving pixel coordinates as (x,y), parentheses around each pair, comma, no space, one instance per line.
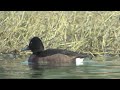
(62,51)
(69,53)
(49,52)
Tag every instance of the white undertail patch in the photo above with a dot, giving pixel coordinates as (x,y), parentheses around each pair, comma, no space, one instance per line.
(79,61)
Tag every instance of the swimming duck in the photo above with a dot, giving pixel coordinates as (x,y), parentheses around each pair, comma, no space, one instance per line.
(52,57)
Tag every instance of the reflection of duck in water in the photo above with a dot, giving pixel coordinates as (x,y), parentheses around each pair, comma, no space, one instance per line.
(52,57)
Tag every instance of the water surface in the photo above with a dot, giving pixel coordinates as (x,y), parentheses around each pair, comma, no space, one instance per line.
(17,68)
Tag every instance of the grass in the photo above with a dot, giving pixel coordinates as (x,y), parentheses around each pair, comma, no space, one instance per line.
(82,31)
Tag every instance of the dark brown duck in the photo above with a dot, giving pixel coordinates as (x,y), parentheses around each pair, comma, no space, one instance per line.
(52,57)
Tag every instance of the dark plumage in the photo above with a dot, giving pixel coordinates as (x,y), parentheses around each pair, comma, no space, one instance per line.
(51,57)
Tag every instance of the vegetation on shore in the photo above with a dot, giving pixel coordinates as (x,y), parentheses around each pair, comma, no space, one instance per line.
(82,31)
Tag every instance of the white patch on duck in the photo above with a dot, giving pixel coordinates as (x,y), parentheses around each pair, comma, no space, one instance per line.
(79,61)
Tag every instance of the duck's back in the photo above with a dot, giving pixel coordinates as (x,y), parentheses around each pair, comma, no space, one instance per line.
(50,52)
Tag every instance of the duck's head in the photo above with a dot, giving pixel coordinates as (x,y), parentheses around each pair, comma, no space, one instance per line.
(35,45)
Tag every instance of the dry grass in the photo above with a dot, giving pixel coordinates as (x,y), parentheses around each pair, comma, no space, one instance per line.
(83,31)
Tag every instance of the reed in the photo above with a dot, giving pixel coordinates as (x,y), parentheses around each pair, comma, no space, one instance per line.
(82,31)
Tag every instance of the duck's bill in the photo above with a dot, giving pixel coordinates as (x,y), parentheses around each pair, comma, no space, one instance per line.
(25,48)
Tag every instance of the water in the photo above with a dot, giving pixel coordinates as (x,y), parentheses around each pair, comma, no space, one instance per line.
(97,68)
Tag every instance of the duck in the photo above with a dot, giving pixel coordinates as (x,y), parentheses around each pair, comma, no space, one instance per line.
(52,57)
